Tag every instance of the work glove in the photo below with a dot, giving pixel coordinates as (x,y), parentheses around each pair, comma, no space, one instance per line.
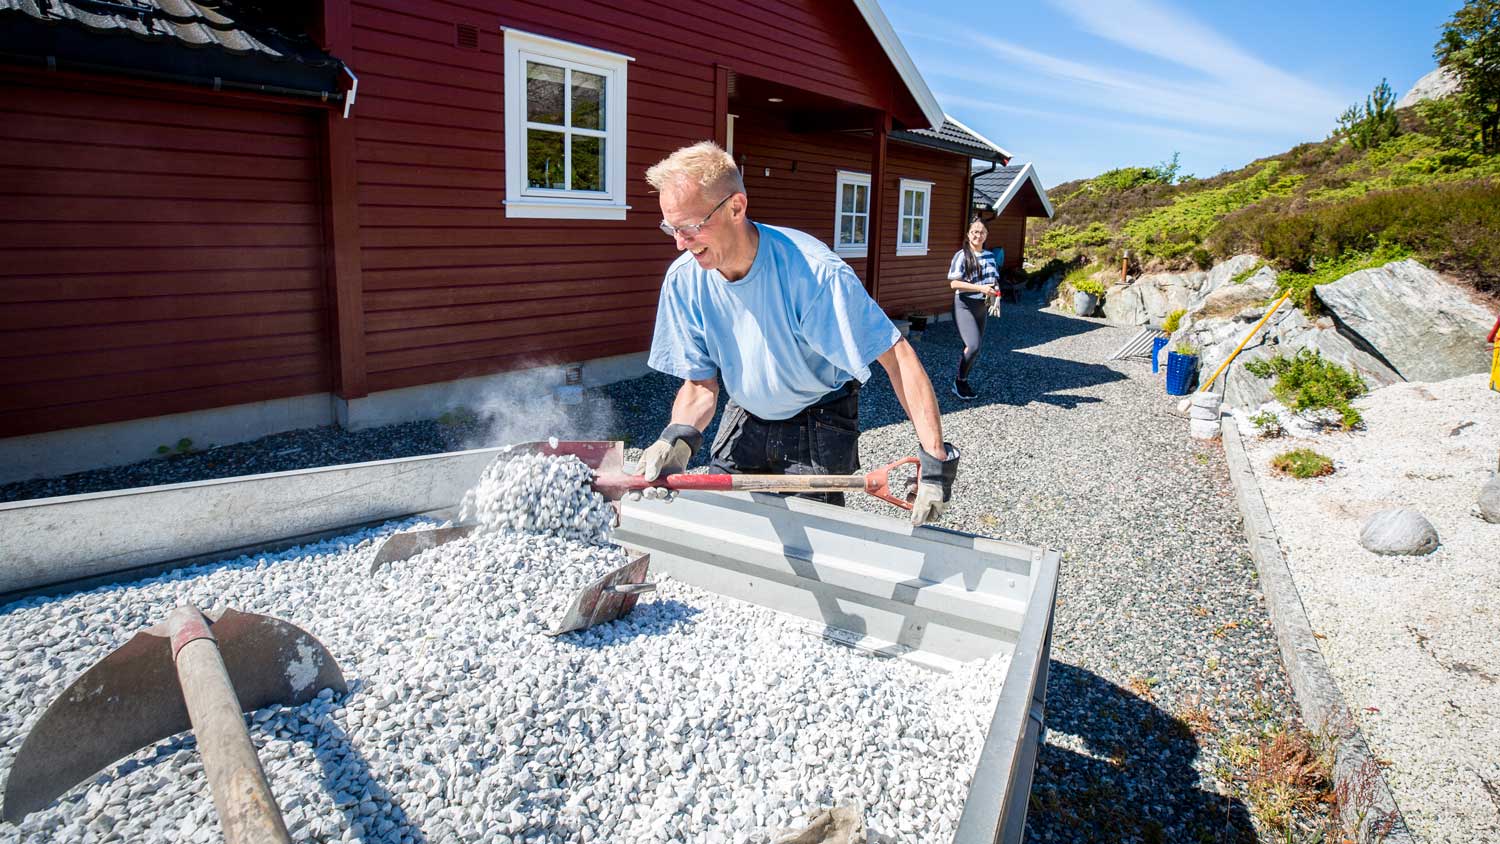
(668,456)
(934,485)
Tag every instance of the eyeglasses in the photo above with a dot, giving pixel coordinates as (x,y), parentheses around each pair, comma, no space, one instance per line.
(691,231)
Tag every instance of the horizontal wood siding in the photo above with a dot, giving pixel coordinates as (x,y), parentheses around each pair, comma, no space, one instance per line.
(805,199)
(1008,231)
(160,256)
(453,288)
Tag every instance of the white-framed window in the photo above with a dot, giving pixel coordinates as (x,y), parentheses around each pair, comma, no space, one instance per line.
(851,225)
(564,129)
(916,201)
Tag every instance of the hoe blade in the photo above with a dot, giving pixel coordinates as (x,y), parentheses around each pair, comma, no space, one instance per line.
(131,699)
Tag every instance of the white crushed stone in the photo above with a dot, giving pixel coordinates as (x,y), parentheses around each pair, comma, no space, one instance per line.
(695,718)
(1413,642)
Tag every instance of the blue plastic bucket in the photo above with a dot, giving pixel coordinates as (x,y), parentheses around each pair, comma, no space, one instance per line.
(1180,371)
(1157,344)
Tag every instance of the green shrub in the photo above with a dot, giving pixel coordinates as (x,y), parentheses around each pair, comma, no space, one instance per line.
(1062,237)
(1451,226)
(1082,280)
(1177,229)
(1267,424)
(1308,382)
(1187,349)
(1173,320)
(1302,463)
(1202,258)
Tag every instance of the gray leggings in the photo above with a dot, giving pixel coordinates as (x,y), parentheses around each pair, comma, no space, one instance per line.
(968,315)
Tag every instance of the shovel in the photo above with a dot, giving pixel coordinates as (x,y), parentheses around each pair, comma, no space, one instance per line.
(190,672)
(607,459)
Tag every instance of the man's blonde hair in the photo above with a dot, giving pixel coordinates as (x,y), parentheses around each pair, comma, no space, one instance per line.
(705,165)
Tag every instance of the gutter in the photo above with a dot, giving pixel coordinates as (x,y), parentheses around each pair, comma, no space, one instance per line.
(969,194)
(214,83)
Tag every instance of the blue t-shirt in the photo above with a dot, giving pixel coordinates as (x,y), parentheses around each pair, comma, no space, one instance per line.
(798,326)
(988,272)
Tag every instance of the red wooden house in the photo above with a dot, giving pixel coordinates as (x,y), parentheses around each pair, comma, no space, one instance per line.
(222,221)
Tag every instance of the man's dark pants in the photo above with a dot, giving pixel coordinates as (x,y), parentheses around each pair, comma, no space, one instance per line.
(821,440)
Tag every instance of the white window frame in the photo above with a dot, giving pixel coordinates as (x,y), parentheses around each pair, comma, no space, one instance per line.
(523,201)
(916,247)
(850,177)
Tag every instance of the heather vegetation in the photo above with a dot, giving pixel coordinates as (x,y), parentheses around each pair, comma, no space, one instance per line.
(1421,182)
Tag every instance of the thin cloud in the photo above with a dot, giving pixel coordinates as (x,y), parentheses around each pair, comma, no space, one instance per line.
(1082,119)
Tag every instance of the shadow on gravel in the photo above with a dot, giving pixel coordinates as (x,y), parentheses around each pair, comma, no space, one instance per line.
(349,782)
(649,618)
(1144,787)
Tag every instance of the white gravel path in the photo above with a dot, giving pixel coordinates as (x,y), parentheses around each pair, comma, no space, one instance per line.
(695,718)
(1413,642)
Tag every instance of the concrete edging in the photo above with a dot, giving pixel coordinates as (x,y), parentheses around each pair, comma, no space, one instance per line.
(1359,781)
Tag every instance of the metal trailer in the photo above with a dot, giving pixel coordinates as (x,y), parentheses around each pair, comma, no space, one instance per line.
(932,596)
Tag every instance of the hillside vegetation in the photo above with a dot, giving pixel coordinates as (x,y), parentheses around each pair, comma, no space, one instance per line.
(1421,184)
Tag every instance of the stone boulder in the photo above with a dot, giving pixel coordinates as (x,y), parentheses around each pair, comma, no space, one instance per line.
(1399,532)
(1404,313)
(1436,84)
(1123,305)
(1220,276)
(1229,299)
(1489,500)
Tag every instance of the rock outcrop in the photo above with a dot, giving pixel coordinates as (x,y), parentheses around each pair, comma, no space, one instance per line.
(1423,327)
(1438,83)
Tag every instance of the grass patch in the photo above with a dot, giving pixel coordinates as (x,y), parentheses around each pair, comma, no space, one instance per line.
(1288,777)
(1244,275)
(1302,463)
(1267,425)
(1307,382)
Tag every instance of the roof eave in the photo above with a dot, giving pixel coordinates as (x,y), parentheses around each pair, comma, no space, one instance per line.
(939,144)
(1027,175)
(989,143)
(885,34)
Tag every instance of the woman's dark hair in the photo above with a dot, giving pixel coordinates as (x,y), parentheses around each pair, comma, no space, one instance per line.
(971,258)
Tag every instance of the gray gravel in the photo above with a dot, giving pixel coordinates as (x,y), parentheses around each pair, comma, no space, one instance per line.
(1159,614)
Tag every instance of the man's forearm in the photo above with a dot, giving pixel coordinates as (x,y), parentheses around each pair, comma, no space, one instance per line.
(695,403)
(914,390)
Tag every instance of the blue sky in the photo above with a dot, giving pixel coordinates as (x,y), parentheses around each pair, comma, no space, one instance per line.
(1083,86)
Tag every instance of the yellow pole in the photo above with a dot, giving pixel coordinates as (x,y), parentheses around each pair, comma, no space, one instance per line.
(1220,371)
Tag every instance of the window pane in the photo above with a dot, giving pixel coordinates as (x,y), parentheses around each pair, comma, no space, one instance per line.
(908,203)
(918,201)
(544,160)
(916,231)
(544,93)
(588,101)
(861,198)
(859,230)
(906,236)
(846,202)
(846,229)
(588,163)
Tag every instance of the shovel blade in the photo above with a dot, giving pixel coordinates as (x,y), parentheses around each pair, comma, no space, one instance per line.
(132,699)
(599,601)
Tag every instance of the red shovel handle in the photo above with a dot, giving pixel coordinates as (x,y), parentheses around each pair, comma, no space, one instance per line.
(876,483)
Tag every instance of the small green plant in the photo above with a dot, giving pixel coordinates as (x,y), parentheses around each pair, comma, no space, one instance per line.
(1302,463)
(1173,320)
(1082,280)
(184,446)
(1267,424)
(1186,349)
(1308,382)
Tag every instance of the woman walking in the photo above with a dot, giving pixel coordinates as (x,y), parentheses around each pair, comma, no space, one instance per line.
(975,279)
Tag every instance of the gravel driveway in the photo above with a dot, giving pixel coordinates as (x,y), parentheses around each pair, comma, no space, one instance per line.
(1160,622)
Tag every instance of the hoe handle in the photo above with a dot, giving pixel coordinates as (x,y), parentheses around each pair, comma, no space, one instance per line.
(247,809)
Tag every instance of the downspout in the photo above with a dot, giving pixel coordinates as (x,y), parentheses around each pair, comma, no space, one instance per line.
(974,175)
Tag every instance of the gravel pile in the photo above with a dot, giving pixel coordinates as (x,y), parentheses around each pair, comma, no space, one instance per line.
(695,718)
(1413,642)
